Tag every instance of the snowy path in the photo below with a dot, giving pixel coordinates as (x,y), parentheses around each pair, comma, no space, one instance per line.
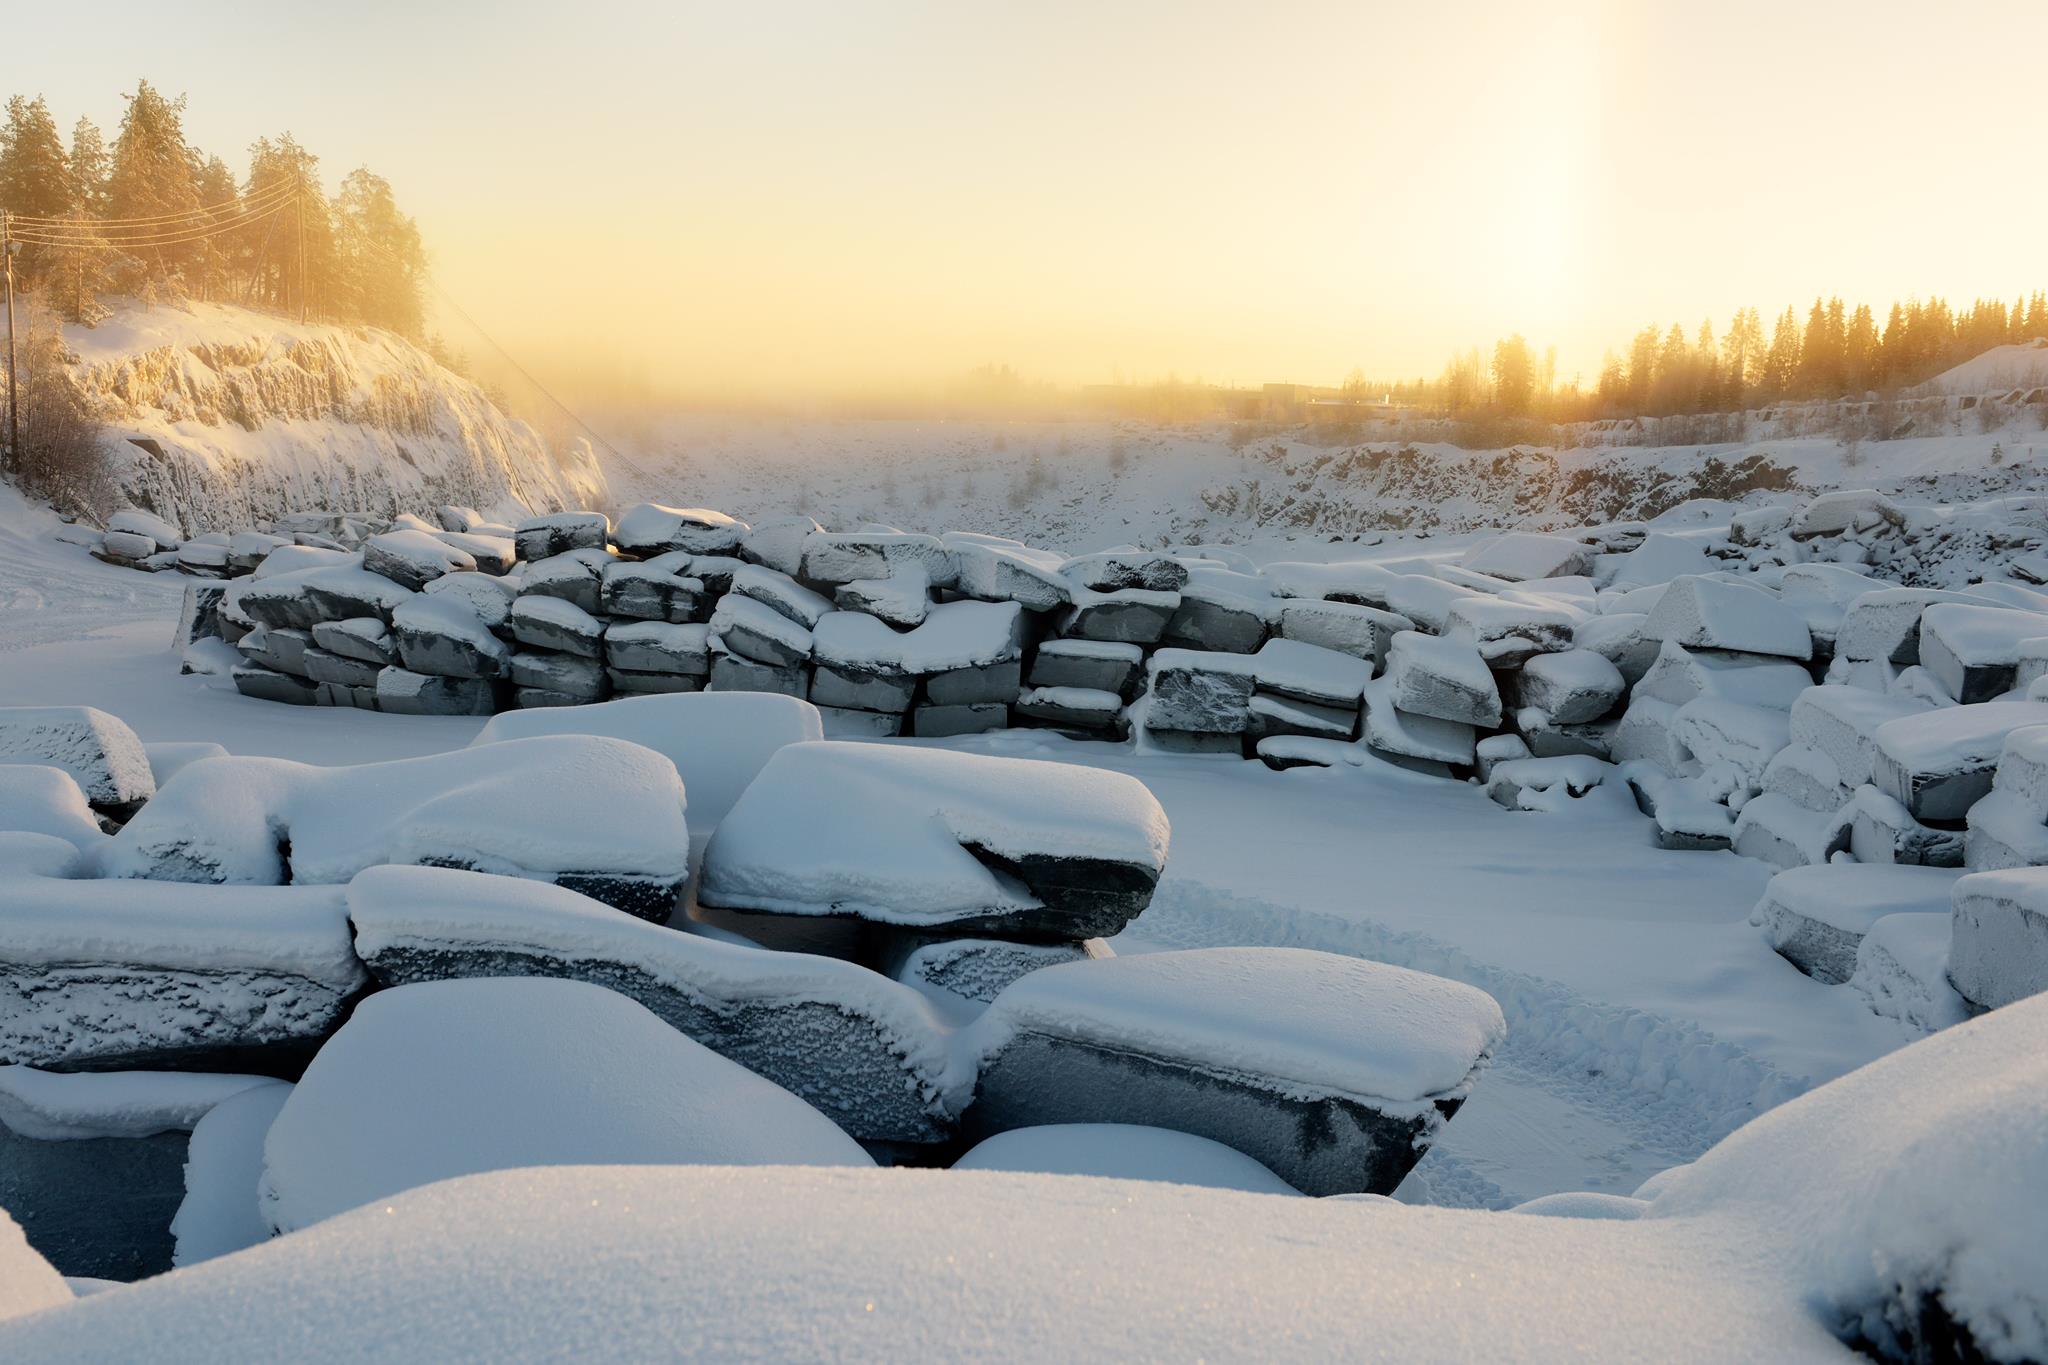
(1646,1017)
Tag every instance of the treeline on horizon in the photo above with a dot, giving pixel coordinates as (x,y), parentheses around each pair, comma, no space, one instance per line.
(363,260)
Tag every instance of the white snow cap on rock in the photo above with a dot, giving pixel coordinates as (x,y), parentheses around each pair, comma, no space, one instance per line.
(1714,613)
(38,799)
(1324,1021)
(99,750)
(832,827)
(449,1078)
(1522,555)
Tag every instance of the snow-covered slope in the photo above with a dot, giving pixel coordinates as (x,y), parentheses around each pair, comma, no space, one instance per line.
(219,417)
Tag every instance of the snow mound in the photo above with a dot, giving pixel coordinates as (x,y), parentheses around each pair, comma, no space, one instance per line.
(28,1283)
(451,1078)
(222,1211)
(1905,1196)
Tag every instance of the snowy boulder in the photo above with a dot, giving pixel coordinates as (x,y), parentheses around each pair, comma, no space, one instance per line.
(1508,631)
(1274,715)
(100,752)
(403,692)
(1816,917)
(556,624)
(783,593)
(1846,510)
(1394,732)
(1123,1151)
(1881,830)
(754,630)
(901,599)
(1333,1072)
(491,555)
(495,807)
(1661,558)
(1618,638)
(948,720)
(362,638)
(108,974)
(1973,651)
(575,576)
(954,636)
(1095,665)
(222,1210)
(1884,624)
(1311,673)
(778,543)
(658,647)
(658,589)
(440,635)
(198,613)
(1441,677)
(1221,610)
(731,673)
(1915,1239)
(1423,599)
(1939,763)
(1680,675)
(1544,784)
(844,558)
(930,838)
(1713,613)
(1007,571)
(1570,687)
(136,522)
(866,689)
(1523,555)
(1841,723)
(867,1051)
(718,743)
(281,648)
(1347,627)
(543,677)
(1135,616)
(1999,947)
(339,592)
(1756,525)
(1190,692)
(1073,708)
(1806,777)
(267,684)
(1902,972)
(441,1079)
(1734,743)
(559,532)
(488,597)
(413,559)
(648,529)
(1113,570)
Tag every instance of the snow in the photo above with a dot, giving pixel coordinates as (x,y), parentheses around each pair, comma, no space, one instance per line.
(136,522)
(953,635)
(1852,897)
(414,558)
(449,1078)
(2019,365)
(54,1107)
(1441,677)
(1933,1206)
(1902,972)
(1121,1151)
(1311,672)
(508,807)
(846,828)
(783,593)
(1999,950)
(1681,675)
(36,799)
(1302,1022)
(718,741)
(222,1212)
(1660,558)
(738,612)
(1713,613)
(28,1283)
(1957,739)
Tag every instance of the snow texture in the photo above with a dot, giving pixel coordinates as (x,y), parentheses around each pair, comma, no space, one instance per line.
(97,749)
(1714,613)
(1122,1151)
(221,1211)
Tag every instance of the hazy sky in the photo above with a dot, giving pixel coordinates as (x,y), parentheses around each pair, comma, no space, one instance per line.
(783,196)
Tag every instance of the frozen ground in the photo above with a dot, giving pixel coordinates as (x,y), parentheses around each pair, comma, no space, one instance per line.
(1646,1017)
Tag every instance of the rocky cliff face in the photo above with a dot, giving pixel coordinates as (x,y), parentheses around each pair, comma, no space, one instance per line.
(220,417)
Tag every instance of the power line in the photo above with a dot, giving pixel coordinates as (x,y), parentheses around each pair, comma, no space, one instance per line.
(284,187)
(96,241)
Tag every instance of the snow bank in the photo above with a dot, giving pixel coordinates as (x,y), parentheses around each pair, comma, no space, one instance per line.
(38,799)
(56,1107)
(97,749)
(450,1078)
(222,1211)
(28,1283)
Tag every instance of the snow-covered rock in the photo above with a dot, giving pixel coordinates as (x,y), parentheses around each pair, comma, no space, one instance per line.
(1095,665)
(507,808)
(222,1211)
(659,589)
(103,974)
(869,1052)
(1999,950)
(101,753)
(1570,687)
(1333,1072)
(1123,1151)
(1522,555)
(413,559)
(441,635)
(1441,677)
(543,537)
(1401,734)
(1816,917)
(39,799)
(648,529)
(441,1079)
(1973,651)
(929,838)
(1938,763)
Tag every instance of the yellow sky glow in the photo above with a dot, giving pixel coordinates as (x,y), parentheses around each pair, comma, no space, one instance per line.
(790,198)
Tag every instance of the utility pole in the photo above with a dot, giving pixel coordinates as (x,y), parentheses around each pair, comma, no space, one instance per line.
(8,246)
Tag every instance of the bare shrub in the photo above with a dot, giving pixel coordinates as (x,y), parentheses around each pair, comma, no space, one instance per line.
(63,458)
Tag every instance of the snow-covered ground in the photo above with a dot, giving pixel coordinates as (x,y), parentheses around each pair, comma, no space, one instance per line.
(1647,1018)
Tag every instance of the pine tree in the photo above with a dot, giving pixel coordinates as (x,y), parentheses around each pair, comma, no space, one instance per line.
(1781,362)
(295,262)
(35,178)
(384,263)
(151,175)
